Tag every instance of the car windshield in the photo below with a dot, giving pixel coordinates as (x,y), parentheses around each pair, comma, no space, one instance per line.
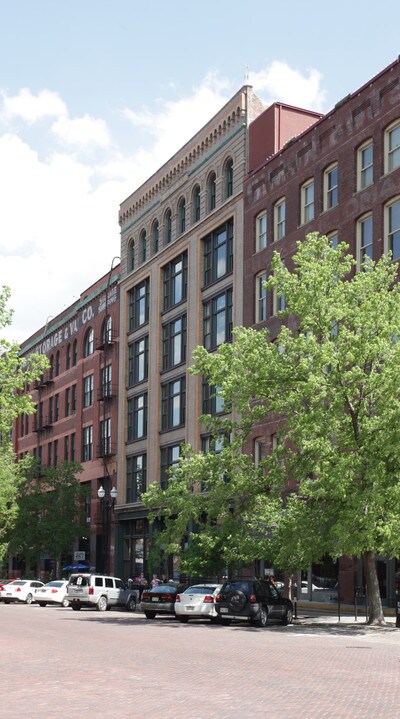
(18,584)
(54,584)
(200,590)
(163,588)
(234,586)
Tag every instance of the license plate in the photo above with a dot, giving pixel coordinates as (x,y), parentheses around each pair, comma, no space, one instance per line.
(154,599)
(224,610)
(190,609)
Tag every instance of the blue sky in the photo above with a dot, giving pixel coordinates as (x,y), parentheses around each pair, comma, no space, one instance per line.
(96,94)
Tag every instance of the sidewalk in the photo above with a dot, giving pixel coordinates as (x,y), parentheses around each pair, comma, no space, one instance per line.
(317,614)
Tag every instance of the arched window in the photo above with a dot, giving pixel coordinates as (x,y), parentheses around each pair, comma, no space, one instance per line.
(228,177)
(131,255)
(155,236)
(196,203)
(69,359)
(75,353)
(143,245)
(89,342)
(52,366)
(182,215)
(58,363)
(106,333)
(211,191)
(168,227)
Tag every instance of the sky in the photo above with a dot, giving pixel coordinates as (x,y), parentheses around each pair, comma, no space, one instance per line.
(95,95)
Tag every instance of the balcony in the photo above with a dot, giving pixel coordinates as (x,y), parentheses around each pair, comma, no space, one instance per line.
(45,379)
(106,391)
(106,449)
(106,340)
(40,424)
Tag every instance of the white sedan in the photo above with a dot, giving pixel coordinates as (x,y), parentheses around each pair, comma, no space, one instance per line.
(52,593)
(21,590)
(197,602)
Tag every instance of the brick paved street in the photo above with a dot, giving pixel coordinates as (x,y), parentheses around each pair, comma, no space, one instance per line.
(91,664)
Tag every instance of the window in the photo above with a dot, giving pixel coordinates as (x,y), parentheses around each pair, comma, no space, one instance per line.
(72,447)
(217,320)
(365,167)
(138,354)
(88,390)
(175,281)
(137,417)
(392,147)
(279,219)
(261,231)
(278,302)
(107,331)
(73,398)
(135,477)
(106,389)
(258,452)
(307,202)
(57,363)
(169,458)
(155,236)
(50,454)
(139,305)
(105,449)
(87,444)
(331,189)
(182,215)
(229,178)
(56,407)
(66,448)
(334,238)
(173,399)
(51,410)
(364,239)
(52,366)
(89,342)
(196,204)
(131,255)
(211,191)
(218,253)
(55,452)
(69,357)
(261,297)
(213,403)
(392,228)
(75,353)
(167,227)
(143,243)
(174,342)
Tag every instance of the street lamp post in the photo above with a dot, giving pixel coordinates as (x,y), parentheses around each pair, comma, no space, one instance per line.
(107,501)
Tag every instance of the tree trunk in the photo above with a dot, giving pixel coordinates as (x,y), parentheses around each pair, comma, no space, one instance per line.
(375,611)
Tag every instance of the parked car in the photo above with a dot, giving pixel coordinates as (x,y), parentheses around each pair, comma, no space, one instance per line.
(53,592)
(99,591)
(252,600)
(161,599)
(3,584)
(21,590)
(197,602)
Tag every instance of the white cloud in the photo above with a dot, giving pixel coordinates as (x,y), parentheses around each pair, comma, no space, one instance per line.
(32,108)
(82,131)
(280,83)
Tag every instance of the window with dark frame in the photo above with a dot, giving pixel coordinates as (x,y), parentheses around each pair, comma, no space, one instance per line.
(174,342)
(173,403)
(175,281)
(218,253)
(169,458)
(217,320)
(139,305)
(138,360)
(136,471)
(137,417)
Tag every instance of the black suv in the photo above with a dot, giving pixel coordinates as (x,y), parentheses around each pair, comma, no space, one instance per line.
(254,600)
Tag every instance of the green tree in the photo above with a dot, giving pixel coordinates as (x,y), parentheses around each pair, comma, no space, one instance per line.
(50,518)
(331,485)
(15,372)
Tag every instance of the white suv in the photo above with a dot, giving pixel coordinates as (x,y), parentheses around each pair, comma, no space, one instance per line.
(100,591)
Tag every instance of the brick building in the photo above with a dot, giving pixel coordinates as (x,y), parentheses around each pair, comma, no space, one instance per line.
(340,177)
(77,400)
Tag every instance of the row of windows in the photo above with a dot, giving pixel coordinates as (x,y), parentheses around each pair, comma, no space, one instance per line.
(330,187)
(139,250)
(173,409)
(218,262)
(51,450)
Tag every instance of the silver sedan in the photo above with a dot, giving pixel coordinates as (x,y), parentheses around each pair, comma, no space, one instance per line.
(197,602)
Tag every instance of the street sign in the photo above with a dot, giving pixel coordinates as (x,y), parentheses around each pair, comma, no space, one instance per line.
(79,556)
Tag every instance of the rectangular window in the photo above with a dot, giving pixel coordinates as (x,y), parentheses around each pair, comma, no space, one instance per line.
(106,388)
(137,417)
(261,297)
(307,202)
(213,403)
(365,166)
(279,219)
(73,398)
(175,281)
(72,447)
(261,231)
(51,410)
(218,253)
(392,228)
(174,342)
(364,240)
(135,477)
(217,320)
(331,187)
(50,454)
(87,444)
(169,458)
(66,448)
(56,407)
(392,147)
(55,452)
(173,403)
(278,302)
(105,448)
(88,390)
(139,305)
(138,359)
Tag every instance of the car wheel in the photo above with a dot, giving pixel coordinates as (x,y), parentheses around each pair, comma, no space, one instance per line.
(236,601)
(131,606)
(102,604)
(183,620)
(263,618)
(29,598)
(42,604)
(76,607)
(65,602)
(288,618)
(150,615)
